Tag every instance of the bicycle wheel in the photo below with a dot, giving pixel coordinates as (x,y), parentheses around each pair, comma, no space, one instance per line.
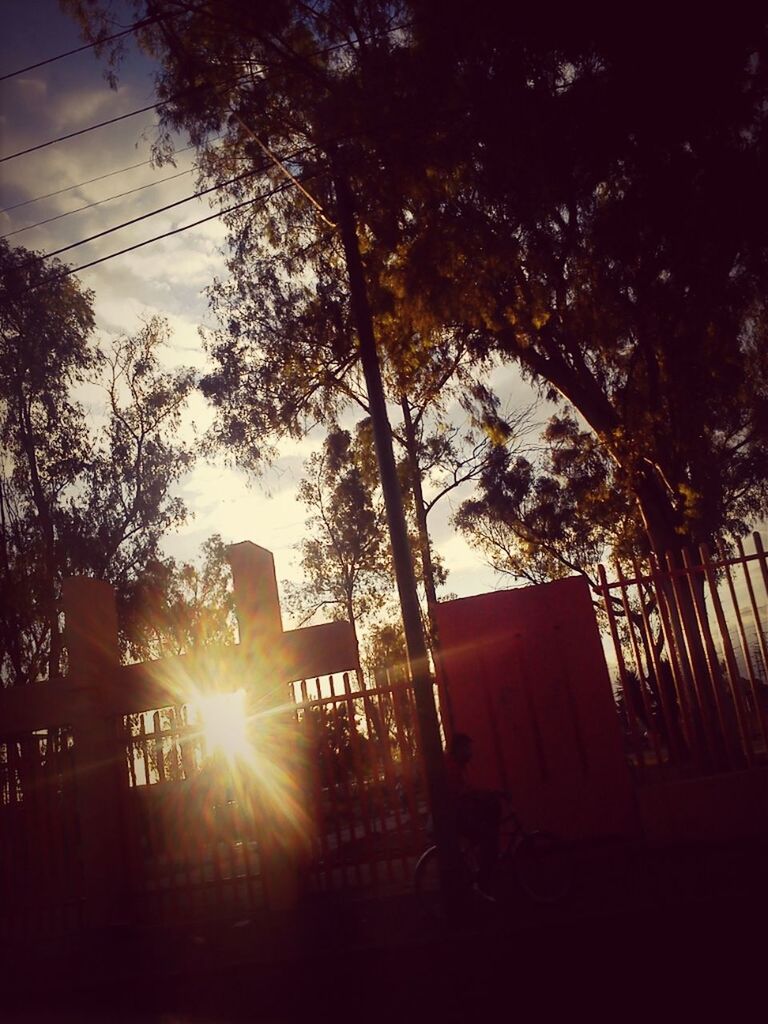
(544,868)
(426,883)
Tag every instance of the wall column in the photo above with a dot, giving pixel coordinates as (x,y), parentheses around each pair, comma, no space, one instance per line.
(91,640)
(284,822)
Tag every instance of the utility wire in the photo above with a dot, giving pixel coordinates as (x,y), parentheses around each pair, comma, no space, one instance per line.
(152,213)
(81,131)
(170,206)
(90,181)
(120,117)
(88,46)
(162,103)
(89,206)
(175,231)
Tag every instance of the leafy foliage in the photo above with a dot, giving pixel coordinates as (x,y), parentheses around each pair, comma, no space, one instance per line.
(559,514)
(344,556)
(611,243)
(582,200)
(176,606)
(76,498)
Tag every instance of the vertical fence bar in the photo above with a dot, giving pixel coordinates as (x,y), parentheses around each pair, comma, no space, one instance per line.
(385,700)
(644,695)
(377,773)
(332,803)
(406,761)
(343,769)
(362,795)
(759,631)
(668,715)
(730,658)
(724,708)
(757,712)
(760,636)
(694,735)
(700,686)
(762,633)
(617,646)
(313,745)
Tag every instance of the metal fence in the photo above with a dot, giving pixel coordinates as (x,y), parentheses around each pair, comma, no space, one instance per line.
(40,855)
(191,838)
(366,784)
(689,638)
(189,824)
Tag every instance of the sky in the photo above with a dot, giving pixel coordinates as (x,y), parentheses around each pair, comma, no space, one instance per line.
(168,277)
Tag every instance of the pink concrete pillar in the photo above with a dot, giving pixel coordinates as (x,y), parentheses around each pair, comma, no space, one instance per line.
(283,825)
(256,599)
(90,635)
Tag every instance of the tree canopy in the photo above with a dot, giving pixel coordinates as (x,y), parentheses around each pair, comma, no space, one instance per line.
(582,200)
(79,495)
(343,556)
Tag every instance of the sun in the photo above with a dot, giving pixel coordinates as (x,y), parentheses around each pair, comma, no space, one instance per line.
(224,722)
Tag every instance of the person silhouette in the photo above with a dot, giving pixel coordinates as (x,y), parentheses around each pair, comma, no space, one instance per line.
(477,811)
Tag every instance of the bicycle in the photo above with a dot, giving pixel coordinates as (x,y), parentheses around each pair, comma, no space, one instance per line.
(539,864)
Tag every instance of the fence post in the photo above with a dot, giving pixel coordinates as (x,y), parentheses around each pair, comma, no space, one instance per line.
(283,827)
(90,635)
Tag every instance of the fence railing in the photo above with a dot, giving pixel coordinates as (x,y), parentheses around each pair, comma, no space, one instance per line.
(189,825)
(366,784)
(689,640)
(40,854)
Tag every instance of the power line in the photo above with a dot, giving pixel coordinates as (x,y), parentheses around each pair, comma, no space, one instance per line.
(87,46)
(170,206)
(90,181)
(81,131)
(162,103)
(98,202)
(120,117)
(175,231)
(152,213)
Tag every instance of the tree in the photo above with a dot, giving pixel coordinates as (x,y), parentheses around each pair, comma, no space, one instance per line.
(44,329)
(614,244)
(175,607)
(75,499)
(344,558)
(560,514)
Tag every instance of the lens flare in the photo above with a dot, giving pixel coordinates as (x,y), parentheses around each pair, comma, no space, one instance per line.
(224,722)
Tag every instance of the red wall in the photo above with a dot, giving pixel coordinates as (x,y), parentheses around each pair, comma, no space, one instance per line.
(526,677)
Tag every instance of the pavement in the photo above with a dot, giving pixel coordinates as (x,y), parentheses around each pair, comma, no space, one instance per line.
(660,933)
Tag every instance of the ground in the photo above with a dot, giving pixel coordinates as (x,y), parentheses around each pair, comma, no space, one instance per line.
(659,933)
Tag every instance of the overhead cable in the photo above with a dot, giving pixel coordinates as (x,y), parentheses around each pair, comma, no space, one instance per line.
(98,202)
(90,181)
(175,231)
(80,131)
(162,103)
(87,46)
(170,206)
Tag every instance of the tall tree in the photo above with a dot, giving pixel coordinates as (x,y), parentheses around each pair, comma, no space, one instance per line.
(559,513)
(344,557)
(613,242)
(174,607)
(282,80)
(75,497)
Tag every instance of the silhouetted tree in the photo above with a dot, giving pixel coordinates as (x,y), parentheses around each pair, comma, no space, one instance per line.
(174,607)
(76,498)
(555,515)
(344,556)
(611,238)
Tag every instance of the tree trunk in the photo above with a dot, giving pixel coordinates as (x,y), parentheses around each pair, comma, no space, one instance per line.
(48,535)
(425,551)
(445,831)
